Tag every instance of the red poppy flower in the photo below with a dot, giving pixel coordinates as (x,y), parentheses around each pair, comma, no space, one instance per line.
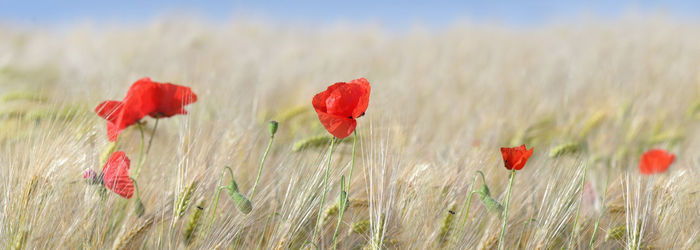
(515,158)
(341,104)
(116,175)
(144,97)
(163,99)
(655,161)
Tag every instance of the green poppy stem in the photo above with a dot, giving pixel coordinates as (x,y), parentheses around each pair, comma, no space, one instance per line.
(136,187)
(468,202)
(140,161)
(153,134)
(352,162)
(505,214)
(347,189)
(219,187)
(262,163)
(325,188)
(578,209)
(139,209)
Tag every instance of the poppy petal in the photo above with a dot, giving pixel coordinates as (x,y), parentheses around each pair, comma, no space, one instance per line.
(108,109)
(363,101)
(142,98)
(319,101)
(112,131)
(116,175)
(172,100)
(344,100)
(338,126)
(516,158)
(655,161)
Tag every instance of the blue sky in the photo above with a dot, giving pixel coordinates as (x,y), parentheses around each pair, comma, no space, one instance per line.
(394,14)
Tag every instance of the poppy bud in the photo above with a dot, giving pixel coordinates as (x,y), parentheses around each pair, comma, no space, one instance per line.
(241,202)
(91,176)
(139,209)
(232,187)
(272,125)
(484,191)
(492,205)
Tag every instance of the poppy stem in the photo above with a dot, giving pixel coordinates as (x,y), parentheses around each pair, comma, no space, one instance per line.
(597,221)
(262,163)
(219,187)
(153,134)
(352,163)
(505,213)
(138,165)
(136,187)
(468,202)
(347,189)
(325,188)
(578,209)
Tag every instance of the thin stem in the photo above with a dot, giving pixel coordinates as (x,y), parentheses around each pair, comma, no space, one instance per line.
(597,222)
(578,209)
(505,214)
(216,204)
(136,188)
(140,162)
(468,202)
(337,226)
(352,163)
(347,189)
(219,187)
(153,134)
(262,163)
(325,187)
(230,171)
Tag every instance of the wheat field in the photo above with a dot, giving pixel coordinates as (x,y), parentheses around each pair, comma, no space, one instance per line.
(590,97)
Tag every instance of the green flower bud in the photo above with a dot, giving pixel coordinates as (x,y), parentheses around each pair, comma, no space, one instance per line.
(241,202)
(493,206)
(139,209)
(273,127)
(484,191)
(232,187)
